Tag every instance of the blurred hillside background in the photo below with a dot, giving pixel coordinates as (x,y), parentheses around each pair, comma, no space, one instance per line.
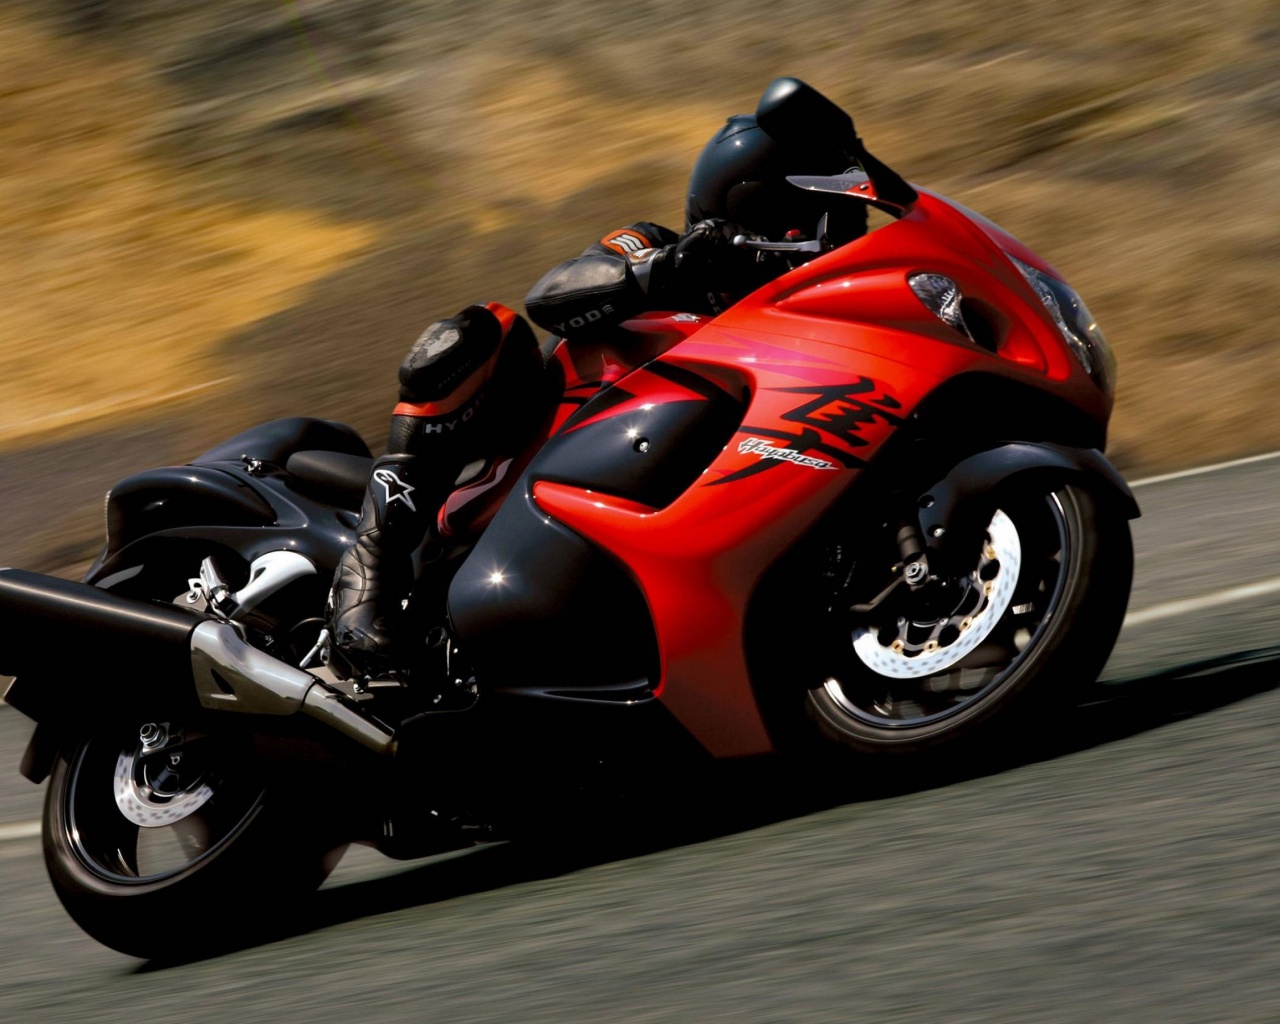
(215,213)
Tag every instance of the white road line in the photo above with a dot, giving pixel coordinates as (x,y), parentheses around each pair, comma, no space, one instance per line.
(1172,609)
(1198,470)
(19,830)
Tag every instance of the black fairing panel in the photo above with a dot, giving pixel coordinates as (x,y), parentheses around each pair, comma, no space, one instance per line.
(650,456)
(535,607)
(220,500)
(161,499)
(219,507)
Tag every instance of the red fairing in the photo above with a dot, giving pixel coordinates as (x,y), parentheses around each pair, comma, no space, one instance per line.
(833,355)
(810,425)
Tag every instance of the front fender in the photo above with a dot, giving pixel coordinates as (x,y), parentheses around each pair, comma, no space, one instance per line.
(957,507)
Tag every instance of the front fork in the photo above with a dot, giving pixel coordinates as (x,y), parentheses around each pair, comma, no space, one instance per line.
(941,545)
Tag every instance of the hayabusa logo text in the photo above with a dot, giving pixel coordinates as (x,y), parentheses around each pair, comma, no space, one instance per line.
(755,446)
(831,420)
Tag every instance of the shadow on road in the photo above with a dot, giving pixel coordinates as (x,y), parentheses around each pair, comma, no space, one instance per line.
(737,798)
(1114,710)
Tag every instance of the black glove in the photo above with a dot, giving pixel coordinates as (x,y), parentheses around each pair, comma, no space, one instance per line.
(707,257)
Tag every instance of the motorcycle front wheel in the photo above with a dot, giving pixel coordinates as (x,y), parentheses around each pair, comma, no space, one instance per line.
(163,842)
(1032,621)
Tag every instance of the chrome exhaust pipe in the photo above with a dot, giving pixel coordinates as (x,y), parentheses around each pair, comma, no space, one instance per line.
(231,675)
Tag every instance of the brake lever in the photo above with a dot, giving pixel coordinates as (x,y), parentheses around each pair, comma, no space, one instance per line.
(819,244)
(744,242)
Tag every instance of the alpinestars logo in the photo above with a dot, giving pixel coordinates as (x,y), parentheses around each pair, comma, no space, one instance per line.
(397,489)
(756,446)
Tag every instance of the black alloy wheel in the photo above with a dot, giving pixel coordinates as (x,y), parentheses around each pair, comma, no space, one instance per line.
(1033,618)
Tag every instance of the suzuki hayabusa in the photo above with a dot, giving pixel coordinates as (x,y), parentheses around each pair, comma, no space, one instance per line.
(864,510)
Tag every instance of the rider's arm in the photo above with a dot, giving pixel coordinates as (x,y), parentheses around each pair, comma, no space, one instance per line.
(611,281)
(645,266)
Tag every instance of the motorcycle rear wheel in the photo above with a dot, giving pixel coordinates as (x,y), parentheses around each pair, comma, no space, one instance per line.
(164,860)
(1050,631)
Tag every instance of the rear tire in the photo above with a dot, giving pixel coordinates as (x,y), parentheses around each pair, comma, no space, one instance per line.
(158,865)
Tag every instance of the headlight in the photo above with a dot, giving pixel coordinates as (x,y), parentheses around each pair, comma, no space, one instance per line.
(1078,327)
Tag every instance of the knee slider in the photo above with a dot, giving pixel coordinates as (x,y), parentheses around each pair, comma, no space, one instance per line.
(447,357)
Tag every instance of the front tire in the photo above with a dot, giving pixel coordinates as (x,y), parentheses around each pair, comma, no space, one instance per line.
(915,681)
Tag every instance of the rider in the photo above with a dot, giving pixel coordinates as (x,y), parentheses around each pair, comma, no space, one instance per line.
(466,381)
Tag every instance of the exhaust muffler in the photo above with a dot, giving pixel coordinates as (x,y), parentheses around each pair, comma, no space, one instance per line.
(53,626)
(61,638)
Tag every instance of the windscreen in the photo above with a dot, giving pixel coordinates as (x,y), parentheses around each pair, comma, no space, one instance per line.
(850,181)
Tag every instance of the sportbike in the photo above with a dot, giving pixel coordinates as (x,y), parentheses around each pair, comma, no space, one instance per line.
(863,511)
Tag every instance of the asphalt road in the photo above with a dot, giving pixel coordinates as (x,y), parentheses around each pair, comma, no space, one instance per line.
(1129,871)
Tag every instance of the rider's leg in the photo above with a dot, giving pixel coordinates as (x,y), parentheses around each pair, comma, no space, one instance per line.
(444,420)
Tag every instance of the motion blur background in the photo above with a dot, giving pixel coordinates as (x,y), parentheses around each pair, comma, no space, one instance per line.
(219,212)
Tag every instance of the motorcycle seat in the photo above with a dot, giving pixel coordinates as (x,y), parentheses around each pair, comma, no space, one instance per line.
(338,478)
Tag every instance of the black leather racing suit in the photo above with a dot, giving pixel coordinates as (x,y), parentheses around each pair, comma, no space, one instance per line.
(470,384)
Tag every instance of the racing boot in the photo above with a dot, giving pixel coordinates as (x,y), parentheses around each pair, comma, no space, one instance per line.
(375,573)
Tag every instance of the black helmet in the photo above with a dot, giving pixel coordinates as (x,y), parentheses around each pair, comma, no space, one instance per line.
(741,176)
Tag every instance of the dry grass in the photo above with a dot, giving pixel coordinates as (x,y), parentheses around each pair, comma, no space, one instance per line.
(184,171)
(118,277)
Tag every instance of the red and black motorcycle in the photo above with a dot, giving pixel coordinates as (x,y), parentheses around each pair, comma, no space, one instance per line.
(865,509)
